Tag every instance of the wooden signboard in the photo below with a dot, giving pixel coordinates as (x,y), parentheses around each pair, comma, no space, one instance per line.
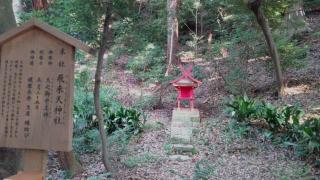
(36,87)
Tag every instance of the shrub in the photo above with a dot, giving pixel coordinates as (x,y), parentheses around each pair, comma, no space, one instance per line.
(88,142)
(310,141)
(277,118)
(283,121)
(84,111)
(291,54)
(127,119)
(71,17)
(242,108)
(148,64)
(272,116)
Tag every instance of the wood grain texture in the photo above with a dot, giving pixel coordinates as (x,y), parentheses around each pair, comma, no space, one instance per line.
(29,108)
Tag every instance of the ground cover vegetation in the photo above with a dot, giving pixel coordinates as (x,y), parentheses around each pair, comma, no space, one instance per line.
(234,46)
(284,124)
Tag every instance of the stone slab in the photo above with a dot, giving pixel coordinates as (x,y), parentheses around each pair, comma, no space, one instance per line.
(183,123)
(186,114)
(179,158)
(183,147)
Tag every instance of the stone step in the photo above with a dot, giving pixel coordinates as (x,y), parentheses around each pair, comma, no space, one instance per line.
(182,124)
(179,158)
(181,131)
(180,139)
(184,149)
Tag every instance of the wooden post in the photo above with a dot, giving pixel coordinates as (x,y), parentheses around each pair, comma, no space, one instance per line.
(33,165)
(34,161)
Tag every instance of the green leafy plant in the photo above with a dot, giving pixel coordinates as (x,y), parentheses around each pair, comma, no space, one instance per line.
(311,136)
(127,119)
(277,118)
(242,108)
(272,116)
(87,142)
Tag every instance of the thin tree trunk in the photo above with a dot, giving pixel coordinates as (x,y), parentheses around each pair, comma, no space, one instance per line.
(17,9)
(173,34)
(69,162)
(40,4)
(255,7)
(9,158)
(7,19)
(99,113)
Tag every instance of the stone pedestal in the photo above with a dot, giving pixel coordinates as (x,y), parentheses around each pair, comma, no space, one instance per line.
(182,125)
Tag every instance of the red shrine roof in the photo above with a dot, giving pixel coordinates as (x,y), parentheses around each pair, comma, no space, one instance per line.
(186,79)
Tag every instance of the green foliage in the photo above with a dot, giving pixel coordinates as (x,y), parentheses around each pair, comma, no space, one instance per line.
(278,118)
(248,42)
(118,142)
(273,117)
(236,80)
(83,108)
(127,119)
(120,124)
(88,142)
(316,34)
(311,4)
(283,122)
(149,64)
(198,72)
(242,108)
(168,148)
(291,54)
(146,102)
(79,18)
(203,170)
(140,160)
(310,141)
(275,10)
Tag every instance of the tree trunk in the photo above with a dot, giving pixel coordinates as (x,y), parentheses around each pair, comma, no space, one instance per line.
(7,19)
(40,4)
(9,158)
(255,7)
(17,9)
(69,162)
(173,34)
(99,113)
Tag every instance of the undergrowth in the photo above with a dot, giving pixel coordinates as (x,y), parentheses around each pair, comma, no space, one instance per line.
(283,124)
(120,122)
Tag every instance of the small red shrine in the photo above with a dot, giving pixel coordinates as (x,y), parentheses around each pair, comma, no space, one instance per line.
(185,86)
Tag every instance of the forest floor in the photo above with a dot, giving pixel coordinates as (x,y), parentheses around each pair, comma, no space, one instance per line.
(221,152)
